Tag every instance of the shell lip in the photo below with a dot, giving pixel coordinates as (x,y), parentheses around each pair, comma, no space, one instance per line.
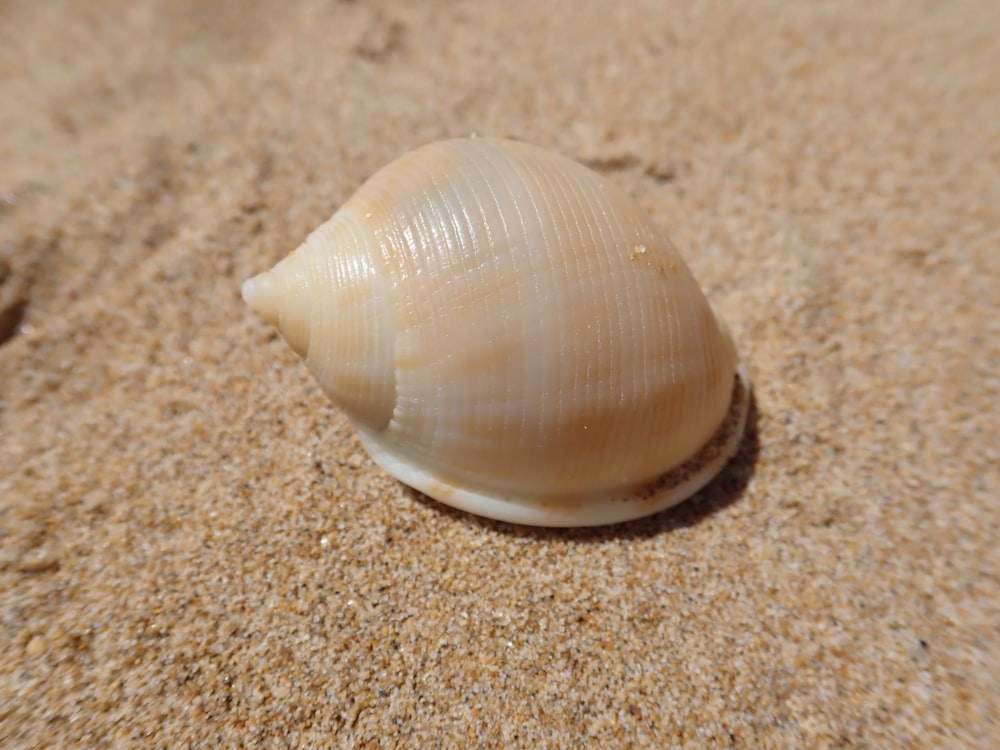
(599,509)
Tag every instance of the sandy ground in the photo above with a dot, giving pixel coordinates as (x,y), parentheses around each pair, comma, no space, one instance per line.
(194,549)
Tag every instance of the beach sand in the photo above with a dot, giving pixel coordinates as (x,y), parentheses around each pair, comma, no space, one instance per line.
(194,548)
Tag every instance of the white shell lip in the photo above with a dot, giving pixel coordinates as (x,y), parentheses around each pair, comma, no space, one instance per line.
(599,509)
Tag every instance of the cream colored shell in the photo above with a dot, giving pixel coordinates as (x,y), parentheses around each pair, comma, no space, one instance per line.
(512,335)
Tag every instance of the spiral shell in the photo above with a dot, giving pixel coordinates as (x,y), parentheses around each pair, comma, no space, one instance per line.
(512,335)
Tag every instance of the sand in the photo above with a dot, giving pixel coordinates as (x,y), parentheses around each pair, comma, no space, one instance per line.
(194,548)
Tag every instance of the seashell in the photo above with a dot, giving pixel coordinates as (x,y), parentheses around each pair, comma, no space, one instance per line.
(512,335)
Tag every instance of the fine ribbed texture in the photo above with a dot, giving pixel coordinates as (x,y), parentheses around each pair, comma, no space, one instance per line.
(547,341)
(197,552)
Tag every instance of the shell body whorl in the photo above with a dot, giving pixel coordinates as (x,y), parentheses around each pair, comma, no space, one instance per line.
(511,334)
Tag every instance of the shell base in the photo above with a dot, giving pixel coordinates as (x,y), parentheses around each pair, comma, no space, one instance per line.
(598,509)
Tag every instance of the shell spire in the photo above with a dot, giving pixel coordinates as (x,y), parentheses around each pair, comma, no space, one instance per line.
(281,298)
(327,300)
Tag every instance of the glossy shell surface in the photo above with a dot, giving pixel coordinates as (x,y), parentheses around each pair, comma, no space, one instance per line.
(512,335)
